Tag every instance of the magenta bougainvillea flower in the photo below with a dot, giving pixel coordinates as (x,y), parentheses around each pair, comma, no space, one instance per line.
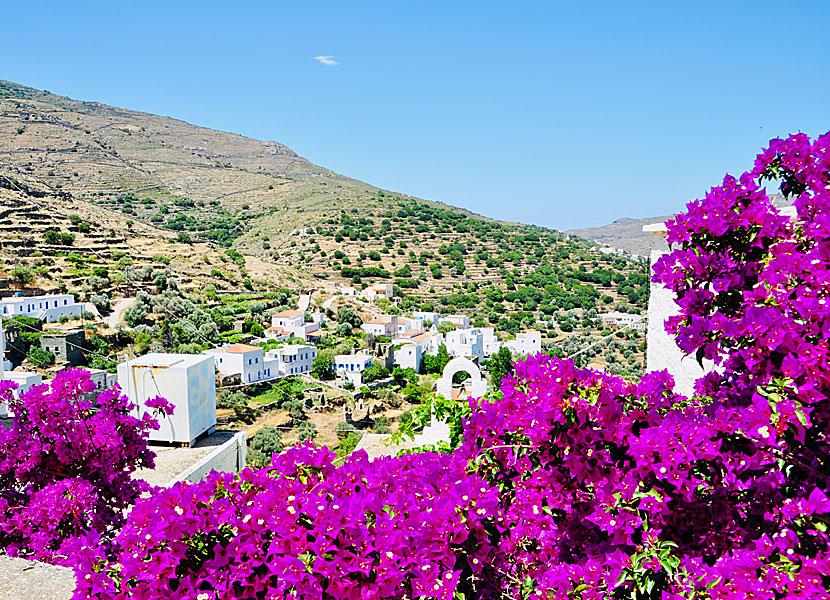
(570,485)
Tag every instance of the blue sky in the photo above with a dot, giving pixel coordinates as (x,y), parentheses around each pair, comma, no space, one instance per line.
(562,114)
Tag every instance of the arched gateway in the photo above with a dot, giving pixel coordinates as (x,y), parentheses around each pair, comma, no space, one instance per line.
(477,387)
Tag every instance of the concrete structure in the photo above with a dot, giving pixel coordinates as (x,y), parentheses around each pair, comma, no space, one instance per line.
(246,361)
(662,352)
(460,321)
(47,308)
(526,343)
(620,319)
(67,346)
(465,342)
(475,386)
(292,360)
(348,291)
(350,367)
(185,380)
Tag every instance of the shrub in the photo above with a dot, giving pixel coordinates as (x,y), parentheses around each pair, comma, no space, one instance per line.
(40,358)
(265,442)
(66,469)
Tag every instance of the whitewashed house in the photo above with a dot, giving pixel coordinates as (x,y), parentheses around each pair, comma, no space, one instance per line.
(409,324)
(350,367)
(185,380)
(620,319)
(48,308)
(468,343)
(288,319)
(428,319)
(379,291)
(291,323)
(527,343)
(246,361)
(491,343)
(278,334)
(102,379)
(292,360)
(460,321)
(409,356)
(383,325)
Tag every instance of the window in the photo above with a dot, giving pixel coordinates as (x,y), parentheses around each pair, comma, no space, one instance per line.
(64,301)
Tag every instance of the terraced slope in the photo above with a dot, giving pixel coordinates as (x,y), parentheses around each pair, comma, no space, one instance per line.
(153,180)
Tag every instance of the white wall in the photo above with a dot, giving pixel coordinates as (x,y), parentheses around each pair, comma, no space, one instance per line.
(662,352)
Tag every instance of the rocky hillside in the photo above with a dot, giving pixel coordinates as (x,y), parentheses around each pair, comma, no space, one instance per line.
(234,211)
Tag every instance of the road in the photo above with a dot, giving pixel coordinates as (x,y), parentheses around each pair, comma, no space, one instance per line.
(327,303)
(114,318)
(305,300)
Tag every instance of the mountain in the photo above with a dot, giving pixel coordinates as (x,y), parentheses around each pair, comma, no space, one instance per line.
(234,211)
(626,234)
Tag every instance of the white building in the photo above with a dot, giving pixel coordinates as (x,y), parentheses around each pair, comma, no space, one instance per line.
(246,361)
(428,319)
(288,319)
(409,356)
(102,379)
(460,321)
(348,291)
(409,324)
(185,380)
(383,325)
(291,323)
(277,333)
(379,291)
(292,360)
(465,342)
(620,319)
(526,344)
(491,343)
(350,367)
(46,308)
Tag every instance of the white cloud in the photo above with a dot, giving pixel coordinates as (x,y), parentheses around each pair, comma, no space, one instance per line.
(326,60)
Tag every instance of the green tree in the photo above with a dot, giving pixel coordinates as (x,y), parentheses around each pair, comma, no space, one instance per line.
(500,366)
(436,364)
(323,366)
(266,442)
(374,372)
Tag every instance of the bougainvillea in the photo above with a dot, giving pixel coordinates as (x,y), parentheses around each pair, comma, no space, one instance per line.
(574,484)
(66,465)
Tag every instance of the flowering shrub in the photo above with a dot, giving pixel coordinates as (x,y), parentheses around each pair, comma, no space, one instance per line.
(414,526)
(574,484)
(66,465)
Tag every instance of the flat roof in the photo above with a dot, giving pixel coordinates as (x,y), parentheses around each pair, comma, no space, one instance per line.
(173,460)
(159,359)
